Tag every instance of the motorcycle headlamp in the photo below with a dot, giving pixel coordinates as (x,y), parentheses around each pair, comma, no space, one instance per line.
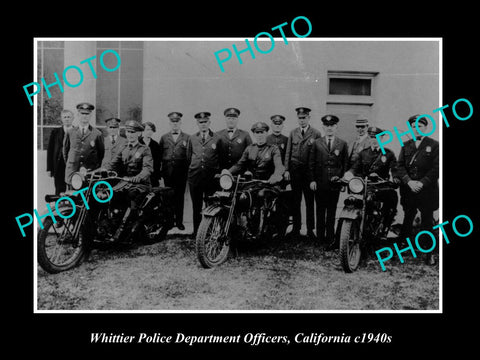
(356,185)
(77,181)
(226,181)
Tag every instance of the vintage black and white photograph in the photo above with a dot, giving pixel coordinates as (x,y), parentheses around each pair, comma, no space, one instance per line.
(233,174)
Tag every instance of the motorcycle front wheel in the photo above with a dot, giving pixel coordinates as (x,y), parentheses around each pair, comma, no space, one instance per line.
(350,251)
(213,245)
(57,250)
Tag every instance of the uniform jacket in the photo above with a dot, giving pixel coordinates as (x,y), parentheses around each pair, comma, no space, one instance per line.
(370,161)
(355,148)
(155,150)
(82,150)
(299,149)
(135,161)
(55,160)
(420,164)
(173,155)
(281,142)
(263,161)
(203,158)
(232,149)
(111,150)
(324,164)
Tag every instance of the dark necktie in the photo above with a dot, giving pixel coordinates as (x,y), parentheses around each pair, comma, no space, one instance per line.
(230,133)
(113,140)
(303,132)
(329,144)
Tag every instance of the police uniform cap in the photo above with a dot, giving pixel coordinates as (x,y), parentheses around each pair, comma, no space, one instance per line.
(373,130)
(175,116)
(330,119)
(260,126)
(85,107)
(113,122)
(134,125)
(277,119)
(231,112)
(202,115)
(413,118)
(302,111)
(361,122)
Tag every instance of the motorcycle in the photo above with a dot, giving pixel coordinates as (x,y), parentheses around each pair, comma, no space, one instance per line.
(245,209)
(68,242)
(362,219)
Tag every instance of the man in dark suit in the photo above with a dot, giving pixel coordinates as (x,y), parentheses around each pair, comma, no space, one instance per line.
(55,160)
(174,163)
(233,141)
(418,169)
(327,163)
(113,142)
(83,145)
(203,154)
(146,139)
(299,144)
(276,137)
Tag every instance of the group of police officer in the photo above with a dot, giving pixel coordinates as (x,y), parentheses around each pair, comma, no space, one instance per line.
(305,159)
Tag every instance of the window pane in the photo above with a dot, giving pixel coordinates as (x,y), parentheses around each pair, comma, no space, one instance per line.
(52,63)
(107,44)
(132,44)
(131,85)
(39,75)
(51,44)
(342,86)
(46,137)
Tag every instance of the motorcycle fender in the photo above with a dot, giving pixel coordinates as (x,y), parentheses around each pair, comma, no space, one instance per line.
(350,213)
(64,209)
(212,210)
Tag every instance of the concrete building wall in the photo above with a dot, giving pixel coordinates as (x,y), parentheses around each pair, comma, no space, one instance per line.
(184,76)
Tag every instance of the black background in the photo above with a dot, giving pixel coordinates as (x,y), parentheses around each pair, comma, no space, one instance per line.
(412,334)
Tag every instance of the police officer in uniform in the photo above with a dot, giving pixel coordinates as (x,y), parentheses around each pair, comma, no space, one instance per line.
(262,159)
(113,142)
(276,137)
(83,145)
(233,141)
(327,163)
(174,164)
(361,142)
(135,162)
(298,151)
(372,162)
(418,169)
(203,156)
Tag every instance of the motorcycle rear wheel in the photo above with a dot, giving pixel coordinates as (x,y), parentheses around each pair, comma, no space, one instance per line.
(56,251)
(350,250)
(213,247)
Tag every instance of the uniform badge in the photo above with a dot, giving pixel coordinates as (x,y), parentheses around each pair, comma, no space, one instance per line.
(184,143)
(383,158)
(214,146)
(311,141)
(282,145)
(337,152)
(428,149)
(92,143)
(239,141)
(137,155)
(267,155)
